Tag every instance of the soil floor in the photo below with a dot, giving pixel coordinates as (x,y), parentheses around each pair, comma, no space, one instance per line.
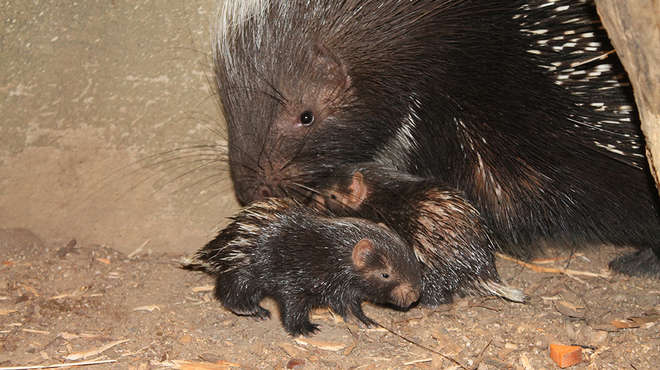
(61,303)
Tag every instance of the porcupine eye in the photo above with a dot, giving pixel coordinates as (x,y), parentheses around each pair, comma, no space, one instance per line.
(385,275)
(307,118)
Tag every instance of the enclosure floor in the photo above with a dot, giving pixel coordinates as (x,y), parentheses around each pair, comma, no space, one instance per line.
(62,303)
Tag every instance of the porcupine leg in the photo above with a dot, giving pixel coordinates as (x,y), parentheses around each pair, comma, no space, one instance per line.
(356,310)
(640,263)
(241,298)
(295,316)
(355,307)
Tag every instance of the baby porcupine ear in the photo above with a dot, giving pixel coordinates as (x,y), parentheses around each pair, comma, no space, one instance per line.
(351,195)
(361,252)
(358,191)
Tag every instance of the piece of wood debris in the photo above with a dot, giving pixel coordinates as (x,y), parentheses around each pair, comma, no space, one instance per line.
(53,366)
(350,348)
(545,261)
(6,311)
(34,331)
(295,362)
(565,356)
(105,261)
(420,361)
(635,321)
(93,352)
(69,248)
(29,289)
(291,350)
(139,249)
(553,270)
(326,346)
(150,308)
(203,288)
(524,362)
(195,365)
(76,293)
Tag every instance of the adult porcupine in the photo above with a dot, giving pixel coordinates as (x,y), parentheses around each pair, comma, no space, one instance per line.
(302,259)
(515,104)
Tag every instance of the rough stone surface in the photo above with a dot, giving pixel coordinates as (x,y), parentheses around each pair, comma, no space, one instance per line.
(92,94)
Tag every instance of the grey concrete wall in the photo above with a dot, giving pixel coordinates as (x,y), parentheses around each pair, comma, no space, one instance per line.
(92,94)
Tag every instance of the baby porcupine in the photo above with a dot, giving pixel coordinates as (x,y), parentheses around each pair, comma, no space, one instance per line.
(455,248)
(303,259)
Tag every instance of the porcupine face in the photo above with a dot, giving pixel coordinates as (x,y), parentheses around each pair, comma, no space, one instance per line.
(294,106)
(388,269)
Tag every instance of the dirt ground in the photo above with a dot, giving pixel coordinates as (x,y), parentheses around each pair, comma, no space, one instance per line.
(61,302)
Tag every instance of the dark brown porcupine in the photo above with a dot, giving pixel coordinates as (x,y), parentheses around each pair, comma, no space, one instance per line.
(517,108)
(303,259)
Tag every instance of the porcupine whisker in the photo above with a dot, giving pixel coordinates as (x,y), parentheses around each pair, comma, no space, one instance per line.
(167,161)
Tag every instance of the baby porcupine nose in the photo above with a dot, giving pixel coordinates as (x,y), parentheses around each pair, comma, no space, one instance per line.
(405,294)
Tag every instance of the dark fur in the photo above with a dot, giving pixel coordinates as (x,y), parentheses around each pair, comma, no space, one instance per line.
(475,97)
(304,260)
(447,233)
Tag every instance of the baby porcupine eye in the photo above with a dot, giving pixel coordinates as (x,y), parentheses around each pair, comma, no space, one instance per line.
(385,275)
(307,118)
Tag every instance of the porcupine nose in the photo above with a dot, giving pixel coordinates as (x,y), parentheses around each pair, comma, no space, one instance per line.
(404,295)
(263,191)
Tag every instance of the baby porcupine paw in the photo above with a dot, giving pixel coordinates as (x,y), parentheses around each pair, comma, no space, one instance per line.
(261,313)
(305,328)
(360,315)
(640,263)
(258,313)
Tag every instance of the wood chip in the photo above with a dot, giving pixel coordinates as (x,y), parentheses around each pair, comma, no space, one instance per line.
(545,261)
(104,260)
(93,352)
(6,311)
(565,356)
(185,339)
(553,270)
(204,288)
(52,366)
(291,350)
(33,331)
(326,346)
(418,361)
(151,308)
(139,249)
(295,362)
(195,365)
(524,361)
(635,322)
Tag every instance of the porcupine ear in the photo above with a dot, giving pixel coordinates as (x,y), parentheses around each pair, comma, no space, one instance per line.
(361,252)
(331,66)
(358,191)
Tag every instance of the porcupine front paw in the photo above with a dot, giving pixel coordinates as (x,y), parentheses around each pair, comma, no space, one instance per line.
(295,318)
(356,309)
(261,313)
(300,327)
(257,312)
(640,263)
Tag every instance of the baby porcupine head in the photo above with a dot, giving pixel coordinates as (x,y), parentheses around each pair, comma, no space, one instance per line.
(388,268)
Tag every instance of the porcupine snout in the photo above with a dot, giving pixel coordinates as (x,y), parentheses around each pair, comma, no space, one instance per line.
(405,294)
(269,180)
